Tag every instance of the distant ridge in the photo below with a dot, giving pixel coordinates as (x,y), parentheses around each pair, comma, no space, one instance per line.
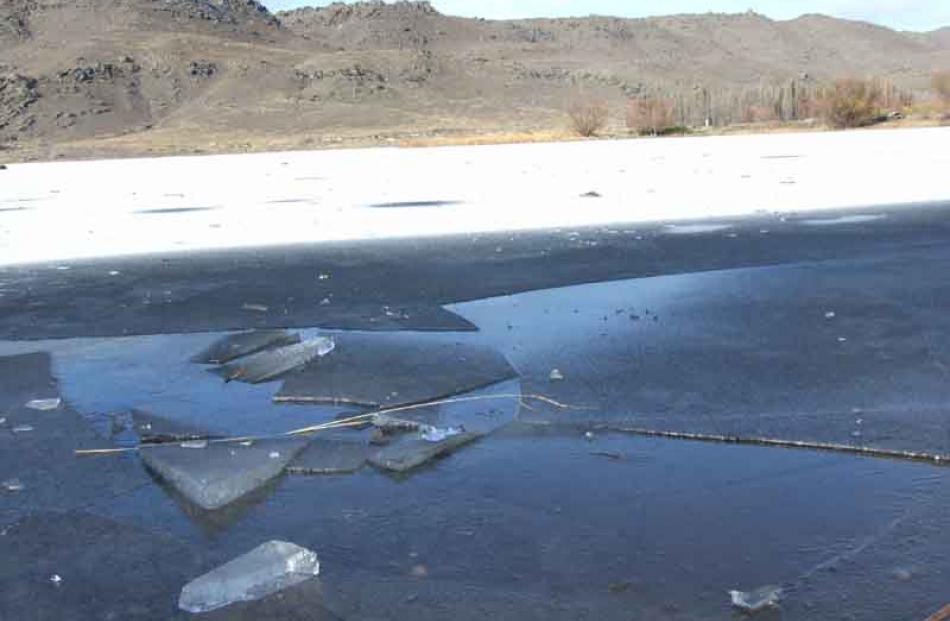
(77,69)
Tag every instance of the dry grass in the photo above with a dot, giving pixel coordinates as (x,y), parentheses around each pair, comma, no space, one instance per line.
(512,137)
(167,142)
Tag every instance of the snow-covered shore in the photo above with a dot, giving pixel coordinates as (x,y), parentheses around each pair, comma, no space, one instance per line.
(72,210)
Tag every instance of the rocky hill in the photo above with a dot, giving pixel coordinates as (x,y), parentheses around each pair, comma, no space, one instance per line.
(190,72)
(940,37)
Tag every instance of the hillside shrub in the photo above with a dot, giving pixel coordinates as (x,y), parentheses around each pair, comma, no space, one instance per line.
(649,115)
(588,118)
(852,103)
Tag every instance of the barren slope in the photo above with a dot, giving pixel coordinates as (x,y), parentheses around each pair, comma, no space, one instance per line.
(198,71)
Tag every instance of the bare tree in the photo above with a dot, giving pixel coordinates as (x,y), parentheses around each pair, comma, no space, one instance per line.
(589,117)
(649,115)
(941,85)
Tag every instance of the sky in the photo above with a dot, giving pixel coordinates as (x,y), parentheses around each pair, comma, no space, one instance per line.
(899,14)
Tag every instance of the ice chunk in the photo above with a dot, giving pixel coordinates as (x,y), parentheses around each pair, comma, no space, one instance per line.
(238,345)
(12,485)
(272,363)
(435,434)
(221,473)
(44,405)
(265,570)
(759,599)
(412,451)
(388,370)
(323,456)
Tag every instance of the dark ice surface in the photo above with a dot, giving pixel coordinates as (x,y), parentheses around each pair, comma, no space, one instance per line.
(854,351)
(108,570)
(395,369)
(401,284)
(25,377)
(816,327)
(531,525)
(42,459)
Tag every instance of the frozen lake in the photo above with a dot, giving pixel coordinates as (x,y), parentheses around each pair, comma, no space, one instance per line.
(746,289)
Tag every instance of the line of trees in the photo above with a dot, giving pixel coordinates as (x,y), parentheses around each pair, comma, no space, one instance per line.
(843,103)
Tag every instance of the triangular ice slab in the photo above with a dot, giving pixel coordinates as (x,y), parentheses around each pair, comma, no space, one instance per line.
(235,346)
(220,473)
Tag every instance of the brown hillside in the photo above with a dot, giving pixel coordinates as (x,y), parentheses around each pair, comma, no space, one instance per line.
(187,71)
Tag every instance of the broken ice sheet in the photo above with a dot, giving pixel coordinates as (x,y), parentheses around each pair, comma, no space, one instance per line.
(757,600)
(267,569)
(216,476)
(412,451)
(376,370)
(272,363)
(236,346)
(330,456)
